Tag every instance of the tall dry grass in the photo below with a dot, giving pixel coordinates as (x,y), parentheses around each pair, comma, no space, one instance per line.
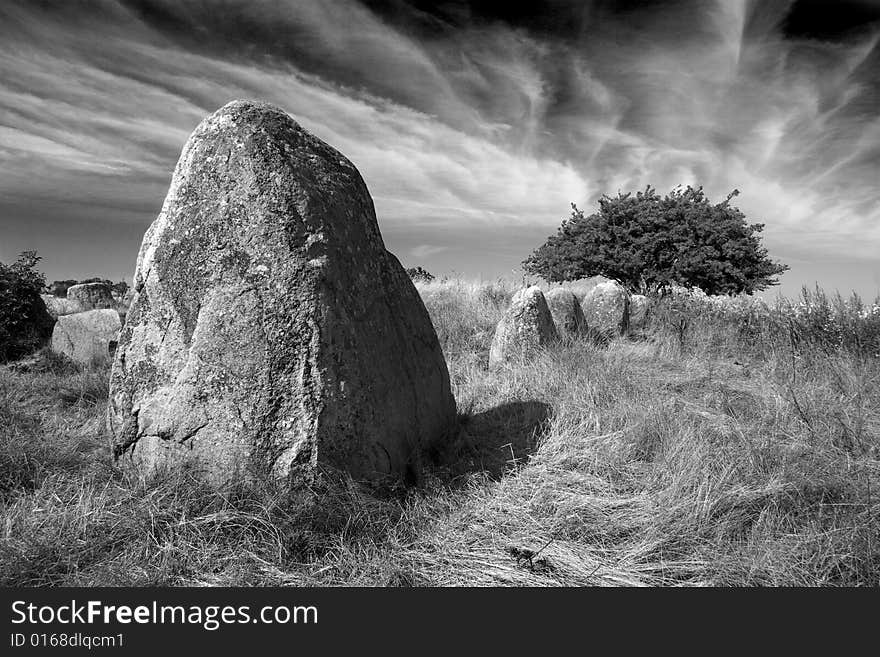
(726,443)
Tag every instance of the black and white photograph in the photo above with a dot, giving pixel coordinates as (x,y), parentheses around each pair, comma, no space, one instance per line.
(370,294)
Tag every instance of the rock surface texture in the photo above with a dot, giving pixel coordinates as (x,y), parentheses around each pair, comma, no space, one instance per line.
(606,309)
(568,316)
(91,296)
(525,329)
(58,306)
(89,337)
(638,310)
(271,333)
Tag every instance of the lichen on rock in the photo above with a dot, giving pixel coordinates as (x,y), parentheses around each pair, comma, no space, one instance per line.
(566,311)
(270,332)
(526,328)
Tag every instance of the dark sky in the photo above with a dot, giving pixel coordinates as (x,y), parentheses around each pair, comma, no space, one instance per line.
(475,124)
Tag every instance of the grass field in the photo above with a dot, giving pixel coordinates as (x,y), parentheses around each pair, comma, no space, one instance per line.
(720,444)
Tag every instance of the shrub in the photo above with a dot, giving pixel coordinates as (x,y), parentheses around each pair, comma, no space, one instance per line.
(419,274)
(25,325)
(817,322)
(648,244)
(59,288)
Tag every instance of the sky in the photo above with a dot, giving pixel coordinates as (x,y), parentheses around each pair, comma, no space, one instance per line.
(474,124)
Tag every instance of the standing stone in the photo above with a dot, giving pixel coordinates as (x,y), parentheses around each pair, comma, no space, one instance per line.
(58,307)
(606,309)
(91,296)
(526,328)
(638,310)
(568,316)
(89,338)
(271,333)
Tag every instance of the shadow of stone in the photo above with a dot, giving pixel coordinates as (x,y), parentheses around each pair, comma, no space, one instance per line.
(495,441)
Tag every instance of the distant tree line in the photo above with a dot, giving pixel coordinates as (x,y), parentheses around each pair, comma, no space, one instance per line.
(59,288)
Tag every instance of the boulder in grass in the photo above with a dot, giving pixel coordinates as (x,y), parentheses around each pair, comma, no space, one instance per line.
(25,324)
(271,334)
(638,311)
(59,306)
(88,338)
(606,309)
(526,328)
(91,296)
(568,316)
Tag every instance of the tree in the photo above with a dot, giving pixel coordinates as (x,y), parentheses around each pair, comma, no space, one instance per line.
(59,288)
(25,325)
(648,244)
(419,274)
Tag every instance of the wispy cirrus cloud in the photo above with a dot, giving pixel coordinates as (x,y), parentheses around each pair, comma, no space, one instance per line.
(474,131)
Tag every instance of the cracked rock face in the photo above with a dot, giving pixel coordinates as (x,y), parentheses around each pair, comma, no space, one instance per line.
(525,329)
(270,332)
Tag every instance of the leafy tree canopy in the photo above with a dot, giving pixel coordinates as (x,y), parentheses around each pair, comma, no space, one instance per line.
(24,323)
(419,274)
(648,243)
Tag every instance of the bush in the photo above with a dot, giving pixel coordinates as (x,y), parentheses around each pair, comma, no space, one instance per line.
(419,274)
(25,324)
(649,244)
(59,288)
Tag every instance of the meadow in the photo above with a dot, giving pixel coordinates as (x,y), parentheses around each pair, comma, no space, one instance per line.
(722,442)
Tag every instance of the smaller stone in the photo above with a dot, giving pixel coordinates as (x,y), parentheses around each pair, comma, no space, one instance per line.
(638,311)
(89,337)
(91,296)
(605,309)
(58,306)
(526,328)
(568,316)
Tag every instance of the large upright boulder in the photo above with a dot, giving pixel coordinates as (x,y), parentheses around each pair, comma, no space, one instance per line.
(606,309)
(89,337)
(91,296)
(568,316)
(271,333)
(526,328)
